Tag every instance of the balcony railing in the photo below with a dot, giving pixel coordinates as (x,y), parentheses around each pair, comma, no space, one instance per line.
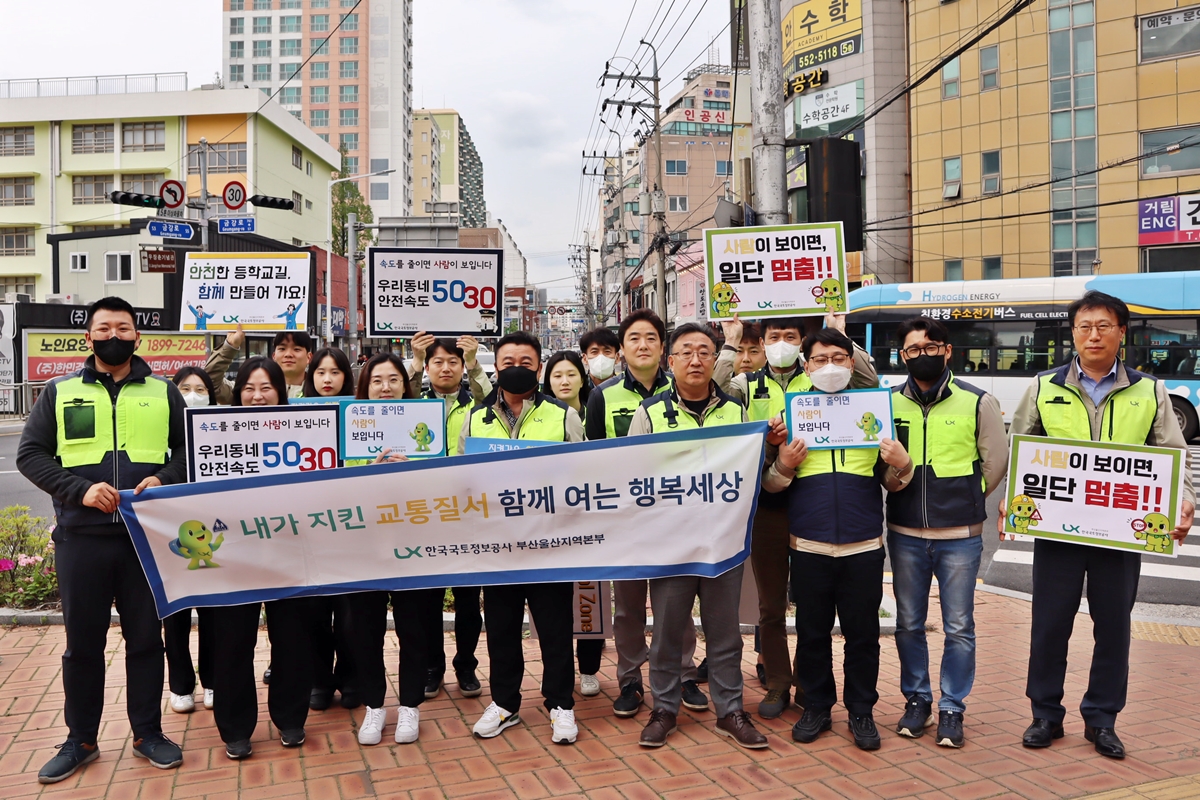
(14,89)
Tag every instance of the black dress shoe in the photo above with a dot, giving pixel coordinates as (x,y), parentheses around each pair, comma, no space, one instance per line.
(319,699)
(1107,743)
(351,699)
(1041,732)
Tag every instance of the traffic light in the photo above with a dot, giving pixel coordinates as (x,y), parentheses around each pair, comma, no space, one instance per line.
(281,203)
(133,199)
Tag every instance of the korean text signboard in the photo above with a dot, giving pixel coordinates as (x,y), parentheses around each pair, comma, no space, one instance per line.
(841,420)
(8,332)
(414,428)
(443,291)
(49,354)
(1169,220)
(242,441)
(775,271)
(819,31)
(262,291)
(591,511)
(1124,497)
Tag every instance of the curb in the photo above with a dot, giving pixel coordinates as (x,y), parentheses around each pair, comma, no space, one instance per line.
(1184,622)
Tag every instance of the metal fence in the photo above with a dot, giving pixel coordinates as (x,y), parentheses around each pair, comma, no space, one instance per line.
(17,88)
(15,401)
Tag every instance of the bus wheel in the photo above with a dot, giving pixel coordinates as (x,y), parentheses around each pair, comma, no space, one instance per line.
(1185,413)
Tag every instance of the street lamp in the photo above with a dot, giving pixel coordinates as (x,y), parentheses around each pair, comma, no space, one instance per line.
(327,329)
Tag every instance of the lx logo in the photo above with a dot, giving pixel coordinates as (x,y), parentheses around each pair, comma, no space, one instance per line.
(767,304)
(412,551)
(230,319)
(1070,528)
(385,326)
(821,440)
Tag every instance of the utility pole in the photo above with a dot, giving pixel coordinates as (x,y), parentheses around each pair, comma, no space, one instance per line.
(203,195)
(352,285)
(590,305)
(766,84)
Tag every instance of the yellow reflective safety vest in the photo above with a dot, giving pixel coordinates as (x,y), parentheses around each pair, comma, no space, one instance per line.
(765,397)
(455,419)
(621,395)
(1127,414)
(666,415)
(545,422)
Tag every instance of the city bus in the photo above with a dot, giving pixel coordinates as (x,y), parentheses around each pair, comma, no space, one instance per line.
(1006,331)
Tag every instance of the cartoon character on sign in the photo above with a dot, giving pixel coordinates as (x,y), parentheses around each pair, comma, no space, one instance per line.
(196,542)
(487,320)
(202,318)
(290,316)
(724,299)
(870,426)
(829,294)
(422,436)
(1156,530)
(1022,513)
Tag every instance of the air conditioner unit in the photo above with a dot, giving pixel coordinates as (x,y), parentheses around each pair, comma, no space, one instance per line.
(63,299)
(17,297)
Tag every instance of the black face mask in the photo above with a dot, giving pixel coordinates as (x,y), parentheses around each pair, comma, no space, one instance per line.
(517,380)
(925,367)
(114,351)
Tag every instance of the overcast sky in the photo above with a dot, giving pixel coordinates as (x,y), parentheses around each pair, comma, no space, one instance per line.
(522,73)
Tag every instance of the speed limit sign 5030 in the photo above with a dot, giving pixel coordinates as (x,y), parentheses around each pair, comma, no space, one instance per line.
(443,291)
(234,195)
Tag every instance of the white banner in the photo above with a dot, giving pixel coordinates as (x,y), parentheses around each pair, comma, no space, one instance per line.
(678,503)
(841,420)
(243,441)
(443,291)
(406,427)
(262,291)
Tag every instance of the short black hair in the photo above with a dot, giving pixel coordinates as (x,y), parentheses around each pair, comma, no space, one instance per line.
(830,336)
(274,374)
(340,360)
(599,336)
(751,332)
(642,315)
(688,328)
(934,330)
(110,304)
(519,337)
(449,345)
(1094,299)
(783,324)
(298,337)
(189,371)
(577,362)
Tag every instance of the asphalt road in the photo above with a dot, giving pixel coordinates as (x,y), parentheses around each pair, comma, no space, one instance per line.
(14,489)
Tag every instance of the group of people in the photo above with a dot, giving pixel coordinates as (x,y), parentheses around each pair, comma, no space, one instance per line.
(818,538)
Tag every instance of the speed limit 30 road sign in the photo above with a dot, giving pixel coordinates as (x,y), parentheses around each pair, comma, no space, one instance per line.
(234,195)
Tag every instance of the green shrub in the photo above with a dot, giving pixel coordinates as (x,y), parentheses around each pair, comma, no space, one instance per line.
(27,575)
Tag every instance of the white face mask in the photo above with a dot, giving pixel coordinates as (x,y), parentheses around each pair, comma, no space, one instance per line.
(601,367)
(195,399)
(782,355)
(830,378)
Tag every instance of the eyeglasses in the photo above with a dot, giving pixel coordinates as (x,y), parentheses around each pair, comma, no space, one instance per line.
(931,349)
(688,355)
(838,360)
(390,381)
(1104,328)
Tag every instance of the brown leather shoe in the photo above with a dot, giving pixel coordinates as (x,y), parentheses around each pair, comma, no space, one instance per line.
(737,726)
(661,725)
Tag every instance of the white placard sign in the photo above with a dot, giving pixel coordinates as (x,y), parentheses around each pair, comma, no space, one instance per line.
(414,428)
(841,420)
(245,441)
(8,332)
(447,291)
(262,291)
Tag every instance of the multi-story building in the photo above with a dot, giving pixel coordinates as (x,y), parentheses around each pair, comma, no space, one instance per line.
(62,152)
(355,92)
(621,240)
(461,178)
(427,161)
(1061,142)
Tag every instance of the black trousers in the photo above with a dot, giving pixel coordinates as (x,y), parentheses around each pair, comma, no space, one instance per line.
(550,606)
(94,570)
(177,632)
(850,588)
(1112,581)
(366,629)
(588,652)
(468,623)
(330,639)
(235,686)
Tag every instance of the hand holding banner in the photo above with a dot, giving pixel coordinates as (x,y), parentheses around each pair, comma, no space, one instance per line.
(840,420)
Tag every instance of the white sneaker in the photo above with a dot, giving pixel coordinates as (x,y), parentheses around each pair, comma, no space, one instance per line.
(494,720)
(564,727)
(589,685)
(208,701)
(371,730)
(408,726)
(182,703)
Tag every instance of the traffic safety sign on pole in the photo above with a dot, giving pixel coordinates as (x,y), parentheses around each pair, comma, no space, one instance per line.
(234,195)
(172,194)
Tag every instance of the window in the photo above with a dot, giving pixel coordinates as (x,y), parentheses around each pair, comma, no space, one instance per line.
(261,73)
(348,94)
(992,268)
(16,191)
(951,178)
(424,161)
(222,157)
(16,141)
(348,46)
(318,118)
(79,262)
(424,136)
(348,117)
(297,157)
(308,205)
(677,203)
(319,71)
(952,269)
(237,73)
(676,167)
(288,70)
(308,168)
(318,95)
(716,105)
(348,3)
(237,49)
(16,242)
(950,75)
(237,5)
(262,48)
(142,182)
(298,203)
(350,165)
(261,25)
(349,22)
(324,137)
(319,4)
(290,47)
(379,164)
(88,190)
(286,4)
(348,69)
(92,138)
(424,183)
(1072,57)
(1169,157)
(990,170)
(118,267)
(379,191)
(689,101)
(319,47)
(348,141)
(319,23)
(989,67)
(143,137)
(237,26)
(262,5)
(724,167)
(1170,34)
(290,95)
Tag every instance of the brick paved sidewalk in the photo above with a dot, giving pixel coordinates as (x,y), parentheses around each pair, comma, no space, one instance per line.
(1160,729)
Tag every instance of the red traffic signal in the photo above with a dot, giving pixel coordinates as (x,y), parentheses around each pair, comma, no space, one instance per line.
(282,203)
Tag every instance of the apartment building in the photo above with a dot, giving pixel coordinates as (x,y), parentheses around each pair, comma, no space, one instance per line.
(461,169)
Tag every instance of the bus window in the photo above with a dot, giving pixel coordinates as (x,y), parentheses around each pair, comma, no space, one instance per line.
(1031,346)
(1167,346)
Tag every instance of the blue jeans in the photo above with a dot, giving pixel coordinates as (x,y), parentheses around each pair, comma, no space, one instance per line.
(955,562)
